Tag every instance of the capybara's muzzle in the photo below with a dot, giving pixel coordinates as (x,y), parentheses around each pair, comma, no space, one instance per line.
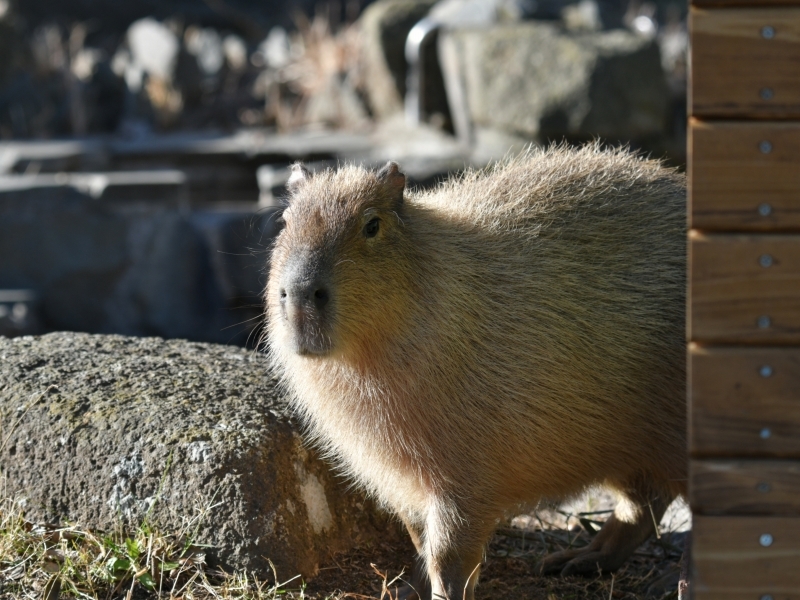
(305,298)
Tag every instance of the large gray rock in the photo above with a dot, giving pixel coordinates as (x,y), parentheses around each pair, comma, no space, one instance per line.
(135,268)
(103,429)
(537,80)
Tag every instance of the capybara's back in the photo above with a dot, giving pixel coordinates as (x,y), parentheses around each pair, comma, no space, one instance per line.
(516,333)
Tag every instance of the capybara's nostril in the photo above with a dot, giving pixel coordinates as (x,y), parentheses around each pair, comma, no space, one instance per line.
(321,298)
(283,294)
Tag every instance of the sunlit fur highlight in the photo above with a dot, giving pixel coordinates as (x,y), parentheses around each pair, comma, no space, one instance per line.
(513,334)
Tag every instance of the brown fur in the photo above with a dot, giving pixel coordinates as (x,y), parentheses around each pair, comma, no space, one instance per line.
(514,334)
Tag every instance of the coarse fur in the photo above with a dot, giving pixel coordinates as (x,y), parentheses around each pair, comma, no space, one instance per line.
(513,334)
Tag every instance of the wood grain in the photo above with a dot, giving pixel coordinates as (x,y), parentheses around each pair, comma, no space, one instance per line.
(728,557)
(734,298)
(736,169)
(745,487)
(733,64)
(731,402)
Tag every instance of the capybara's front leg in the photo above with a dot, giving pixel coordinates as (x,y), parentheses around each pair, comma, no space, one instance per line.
(418,585)
(629,527)
(453,552)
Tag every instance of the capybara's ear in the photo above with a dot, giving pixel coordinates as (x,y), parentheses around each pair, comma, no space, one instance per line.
(298,176)
(393,180)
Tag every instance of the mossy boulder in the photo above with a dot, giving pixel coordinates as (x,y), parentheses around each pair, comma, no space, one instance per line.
(103,430)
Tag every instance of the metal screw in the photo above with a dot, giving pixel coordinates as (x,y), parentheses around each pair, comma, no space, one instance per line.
(767,32)
(766,93)
(764,210)
(765,540)
(765,371)
(764,487)
(765,260)
(765,146)
(766,433)
(767,597)
(764,322)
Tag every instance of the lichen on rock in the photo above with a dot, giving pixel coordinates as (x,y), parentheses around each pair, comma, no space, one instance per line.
(105,430)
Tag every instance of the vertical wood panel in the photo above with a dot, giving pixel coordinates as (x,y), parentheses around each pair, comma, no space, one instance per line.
(745,487)
(728,556)
(731,402)
(744,176)
(737,71)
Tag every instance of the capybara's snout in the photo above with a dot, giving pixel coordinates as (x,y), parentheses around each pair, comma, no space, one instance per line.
(305,303)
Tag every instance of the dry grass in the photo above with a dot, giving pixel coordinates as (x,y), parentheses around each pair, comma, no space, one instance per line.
(48,562)
(511,559)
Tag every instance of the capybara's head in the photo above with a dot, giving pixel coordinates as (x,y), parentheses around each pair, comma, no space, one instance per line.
(339,271)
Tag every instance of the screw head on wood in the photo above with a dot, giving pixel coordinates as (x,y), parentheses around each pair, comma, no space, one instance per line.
(766,94)
(765,209)
(764,322)
(767,32)
(766,433)
(763,487)
(765,540)
(765,260)
(765,371)
(767,597)
(765,147)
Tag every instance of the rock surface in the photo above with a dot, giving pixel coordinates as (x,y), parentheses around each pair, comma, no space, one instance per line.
(135,268)
(103,429)
(385,26)
(552,83)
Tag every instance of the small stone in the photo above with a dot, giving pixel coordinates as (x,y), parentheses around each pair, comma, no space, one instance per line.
(154,47)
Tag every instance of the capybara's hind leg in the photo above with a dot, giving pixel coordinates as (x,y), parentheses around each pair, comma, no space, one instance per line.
(634,520)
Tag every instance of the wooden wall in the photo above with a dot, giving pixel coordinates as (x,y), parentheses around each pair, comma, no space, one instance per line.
(744,299)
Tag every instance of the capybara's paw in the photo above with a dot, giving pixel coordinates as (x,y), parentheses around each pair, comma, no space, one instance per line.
(588,562)
(584,561)
(554,563)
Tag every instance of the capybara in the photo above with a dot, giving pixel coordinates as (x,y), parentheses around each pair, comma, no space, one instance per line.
(514,334)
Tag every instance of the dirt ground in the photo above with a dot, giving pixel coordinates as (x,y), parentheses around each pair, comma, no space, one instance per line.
(513,553)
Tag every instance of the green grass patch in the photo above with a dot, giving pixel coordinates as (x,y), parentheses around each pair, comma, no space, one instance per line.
(49,562)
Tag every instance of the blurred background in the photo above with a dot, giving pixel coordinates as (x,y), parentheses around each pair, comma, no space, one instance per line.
(144,146)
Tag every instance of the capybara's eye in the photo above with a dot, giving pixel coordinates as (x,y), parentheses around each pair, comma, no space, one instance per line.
(371,228)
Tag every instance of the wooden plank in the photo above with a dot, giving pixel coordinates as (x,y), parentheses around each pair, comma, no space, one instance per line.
(744,288)
(745,487)
(744,62)
(732,555)
(744,402)
(744,176)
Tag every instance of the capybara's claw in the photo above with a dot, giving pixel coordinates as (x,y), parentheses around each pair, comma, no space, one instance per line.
(554,563)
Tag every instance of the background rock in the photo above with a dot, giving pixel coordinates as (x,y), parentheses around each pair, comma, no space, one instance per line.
(553,84)
(104,429)
(135,268)
(385,26)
